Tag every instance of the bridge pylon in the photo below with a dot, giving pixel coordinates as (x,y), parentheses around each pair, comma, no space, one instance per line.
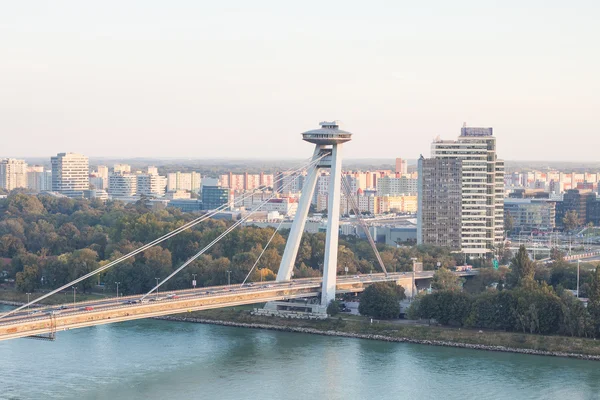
(328,141)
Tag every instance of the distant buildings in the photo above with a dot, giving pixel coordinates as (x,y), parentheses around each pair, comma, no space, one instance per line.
(151,185)
(190,181)
(122,185)
(394,186)
(38,179)
(530,215)
(215,196)
(461,190)
(70,174)
(13,174)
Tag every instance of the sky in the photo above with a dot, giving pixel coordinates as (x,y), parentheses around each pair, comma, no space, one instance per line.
(243,79)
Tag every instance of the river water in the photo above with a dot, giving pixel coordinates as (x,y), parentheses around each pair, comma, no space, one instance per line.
(150,359)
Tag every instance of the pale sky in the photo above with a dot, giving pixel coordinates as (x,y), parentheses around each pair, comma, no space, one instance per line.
(243,79)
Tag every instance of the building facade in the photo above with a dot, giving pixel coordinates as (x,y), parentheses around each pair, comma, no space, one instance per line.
(70,174)
(215,196)
(122,185)
(465,210)
(13,174)
(531,215)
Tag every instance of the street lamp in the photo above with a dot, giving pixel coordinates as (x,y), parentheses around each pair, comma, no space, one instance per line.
(117,289)
(578,262)
(194,281)
(157,279)
(260,273)
(74,290)
(28,300)
(228,278)
(414,287)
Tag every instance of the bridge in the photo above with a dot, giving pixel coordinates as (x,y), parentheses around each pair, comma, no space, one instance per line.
(52,319)
(328,141)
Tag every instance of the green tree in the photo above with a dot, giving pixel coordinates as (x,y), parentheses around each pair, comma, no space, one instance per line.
(80,263)
(28,280)
(381,300)
(522,267)
(333,308)
(571,220)
(594,303)
(444,279)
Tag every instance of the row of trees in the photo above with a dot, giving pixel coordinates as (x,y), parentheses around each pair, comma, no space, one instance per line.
(47,241)
(524,300)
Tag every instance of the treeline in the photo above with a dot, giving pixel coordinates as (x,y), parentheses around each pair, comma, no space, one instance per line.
(46,242)
(520,300)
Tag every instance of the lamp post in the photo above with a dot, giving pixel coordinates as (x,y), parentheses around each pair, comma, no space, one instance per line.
(228,278)
(260,273)
(578,262)
(414,288)
(157,279)
(28,300)
(194,281)
(74,290)
(117,289)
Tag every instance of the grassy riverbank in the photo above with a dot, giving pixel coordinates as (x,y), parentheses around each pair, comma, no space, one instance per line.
(362,325)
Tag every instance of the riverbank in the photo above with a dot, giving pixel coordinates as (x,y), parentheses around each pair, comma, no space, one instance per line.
(556,346)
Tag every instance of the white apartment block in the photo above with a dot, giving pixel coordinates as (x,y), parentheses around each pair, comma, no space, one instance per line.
(151,185)
(70,174)
(13,174)
(481,214)
(190,181)
(120,185)
(39,180)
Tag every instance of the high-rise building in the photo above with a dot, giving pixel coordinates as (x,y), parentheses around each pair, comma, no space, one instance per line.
(401,166)
(122,185)
(190,181)
(461,194)
(13,174)
(151,185)
(70,174)
(38,180)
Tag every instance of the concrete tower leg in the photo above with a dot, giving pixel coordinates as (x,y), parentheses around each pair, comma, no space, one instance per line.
(293,243)
(333,226)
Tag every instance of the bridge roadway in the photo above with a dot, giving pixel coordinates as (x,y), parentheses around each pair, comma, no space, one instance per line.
(52,319)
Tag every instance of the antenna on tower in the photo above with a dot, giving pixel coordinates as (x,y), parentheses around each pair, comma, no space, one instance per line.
(464,124)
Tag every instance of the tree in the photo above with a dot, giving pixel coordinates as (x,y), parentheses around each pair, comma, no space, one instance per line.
(333,308)
(381,300)
(571,220)
(29,279)
(594,302)
(509,222)
(522,267)
(444,279)
(80,263)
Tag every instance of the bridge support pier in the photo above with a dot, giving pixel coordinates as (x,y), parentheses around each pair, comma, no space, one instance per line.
(328,141)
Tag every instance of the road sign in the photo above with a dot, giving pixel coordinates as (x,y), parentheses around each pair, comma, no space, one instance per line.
(194,283)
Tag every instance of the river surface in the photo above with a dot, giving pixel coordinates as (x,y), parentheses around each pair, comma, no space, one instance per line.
(150,359)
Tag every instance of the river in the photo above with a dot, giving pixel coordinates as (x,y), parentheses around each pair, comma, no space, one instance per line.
(151,359)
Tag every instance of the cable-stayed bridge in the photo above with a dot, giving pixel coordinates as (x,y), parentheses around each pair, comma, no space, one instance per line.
(328,141)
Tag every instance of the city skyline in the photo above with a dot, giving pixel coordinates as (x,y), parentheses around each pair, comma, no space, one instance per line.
(175,81)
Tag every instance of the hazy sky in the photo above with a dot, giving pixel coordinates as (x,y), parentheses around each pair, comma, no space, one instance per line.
(136,78)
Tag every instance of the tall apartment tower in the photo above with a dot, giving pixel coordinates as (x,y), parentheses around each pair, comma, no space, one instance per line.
(461,194)
(70,174)
(401,166)
(13,174)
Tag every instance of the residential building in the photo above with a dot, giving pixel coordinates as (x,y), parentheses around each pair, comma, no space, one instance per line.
(575,200)
(394,186)
(122,169)
(38,180)
(151,185)
(190,181)
(70,174)
(122,185)
(401,166)
(461,194)
(13,174)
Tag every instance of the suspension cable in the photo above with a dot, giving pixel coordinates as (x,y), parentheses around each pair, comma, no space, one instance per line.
(262,252)
(161,239)
(222,235)
(363,224)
